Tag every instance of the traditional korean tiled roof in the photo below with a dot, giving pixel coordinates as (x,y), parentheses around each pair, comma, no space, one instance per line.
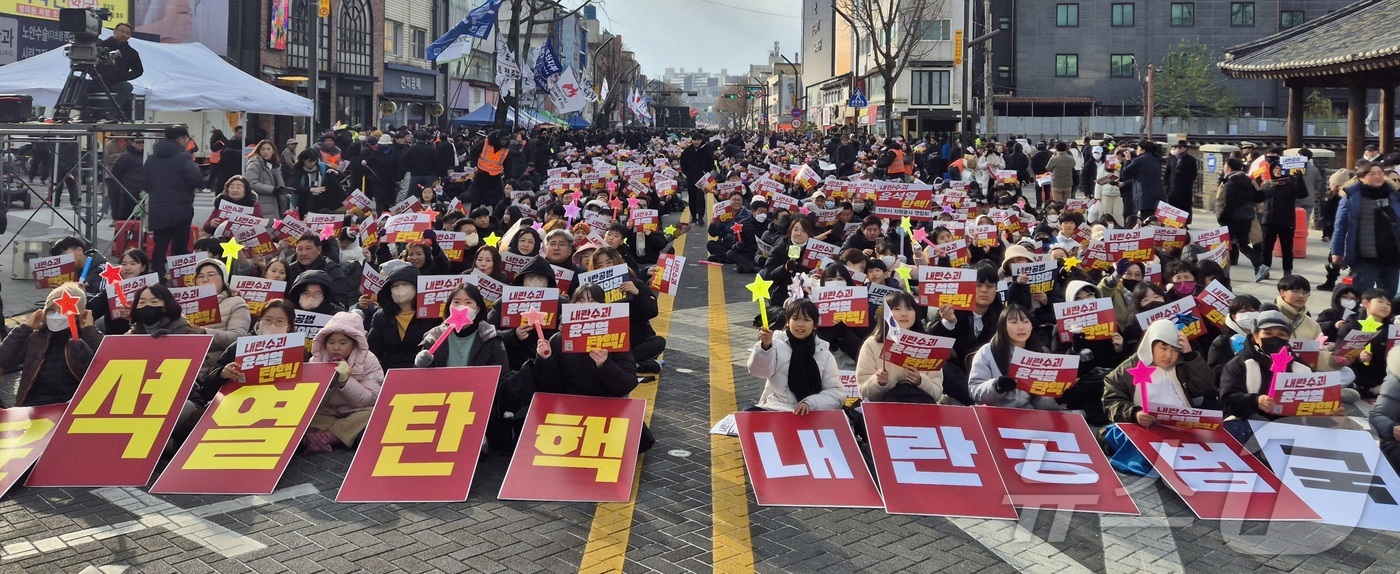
(1358,38)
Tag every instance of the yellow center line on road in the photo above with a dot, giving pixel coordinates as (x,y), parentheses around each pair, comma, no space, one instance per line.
(730,535)
(606,550)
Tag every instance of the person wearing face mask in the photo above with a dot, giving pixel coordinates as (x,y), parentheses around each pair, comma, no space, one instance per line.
(277,319)
(478,344)
(521,341)
(51,362)
(881,380)
(312,292)
(1375,315)
(1119,285)
(158,314)
(1244,382)
(344,413)
(1346,300)
(1180,378)
(1239,324)
(1183,282)
(840,336)
(396,330)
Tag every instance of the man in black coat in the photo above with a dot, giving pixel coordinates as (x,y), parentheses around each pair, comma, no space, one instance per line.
(1180,177)
(696,161)
(125,67)
(171,180)
(420,160)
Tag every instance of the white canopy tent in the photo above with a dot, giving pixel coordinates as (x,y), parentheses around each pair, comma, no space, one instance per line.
(178,77)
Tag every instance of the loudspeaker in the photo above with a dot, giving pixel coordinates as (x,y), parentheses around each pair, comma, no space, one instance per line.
(16,108)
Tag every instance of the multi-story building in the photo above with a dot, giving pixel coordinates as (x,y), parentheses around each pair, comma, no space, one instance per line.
(349,59)
(1086,57)
(707,87)
(412,86)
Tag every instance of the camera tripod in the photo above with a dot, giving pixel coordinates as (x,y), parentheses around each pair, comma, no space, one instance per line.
(75,96)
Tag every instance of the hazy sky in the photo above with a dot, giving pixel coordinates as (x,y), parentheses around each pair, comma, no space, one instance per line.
(709,34)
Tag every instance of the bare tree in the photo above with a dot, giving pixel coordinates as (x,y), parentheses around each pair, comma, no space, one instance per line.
(612,65)
(529,14)
(894,30)
(733,103)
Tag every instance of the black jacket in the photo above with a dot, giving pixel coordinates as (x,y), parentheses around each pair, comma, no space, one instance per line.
(127,66)
(1281,197)
(965,343)
(1235,398)
(342,292)
(129,171)
(420,159)
(1240,197)
(329,306)
(1180,179)
(394,351)
(171,178)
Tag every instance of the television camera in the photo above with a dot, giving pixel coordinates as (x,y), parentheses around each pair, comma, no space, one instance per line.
(85,91)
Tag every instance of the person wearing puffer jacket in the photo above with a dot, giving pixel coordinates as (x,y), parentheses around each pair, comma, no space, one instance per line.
(478,344)
(396,331)
(236,192)
(234,319)
(1180,377)
(345,412)
(800,373)
(51,362)
(881,380)
(988,380)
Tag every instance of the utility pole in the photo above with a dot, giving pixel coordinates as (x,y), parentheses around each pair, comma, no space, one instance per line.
(313,90)
(1151,104)
(991,113)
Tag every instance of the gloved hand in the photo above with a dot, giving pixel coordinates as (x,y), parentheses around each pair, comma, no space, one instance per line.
(1005,385)
(342,374)
(423,359)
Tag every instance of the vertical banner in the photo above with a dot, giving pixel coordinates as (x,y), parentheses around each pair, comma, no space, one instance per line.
(24,433)
(424,436)
(246,437)
(1339,472)
(809,460)
(576,449)
(1215,476)
(933,460)
(1052,460)
(123,412)
(588,327)
(432,294)
(667,278)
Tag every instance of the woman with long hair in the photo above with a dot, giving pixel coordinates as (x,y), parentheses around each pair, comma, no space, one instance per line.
(989,382)
(881,380)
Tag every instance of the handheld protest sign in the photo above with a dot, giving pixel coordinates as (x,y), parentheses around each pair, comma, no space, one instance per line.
(1052,460)
(123,412)
(247,435)
(576,449)
(424,436)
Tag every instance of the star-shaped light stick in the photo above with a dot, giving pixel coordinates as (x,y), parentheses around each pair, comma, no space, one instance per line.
(493,240)
(327,232)
(1280,364)
(571,213)
(536,319)
(458,318)
(670,230)
(1071,263)
(68,305)
(231,249)
(920,236)
(759,288)
(1142,376)
(1184,319)
(904,271)
(112,274)
(738,230)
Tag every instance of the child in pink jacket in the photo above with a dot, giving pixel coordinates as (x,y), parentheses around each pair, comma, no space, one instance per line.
(345,412)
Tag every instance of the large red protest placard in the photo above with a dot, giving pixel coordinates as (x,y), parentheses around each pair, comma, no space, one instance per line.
(1131,244)
(896,200)
(934,460)
(956,251)
(1211,238)
(939,286)
(1215,476)
(1172,216)
(1092,318)
(246,437)
(424,436)
(123,412)
(50,272)
(263,359)
(257,292)
(587,327)
(1306,394)
(24,433)
(667,278)
(810,460)
(1052,460)
(916,351)
(453,245)
(516,301)
(1169,238)
(842,304)
(576,449)
(432,294)
(644,220)
(1043,374)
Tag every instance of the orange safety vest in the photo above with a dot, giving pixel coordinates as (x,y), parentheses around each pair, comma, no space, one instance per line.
(897,166)
(332,160)
(492,160)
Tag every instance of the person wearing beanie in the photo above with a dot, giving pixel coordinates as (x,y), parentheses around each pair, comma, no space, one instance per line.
(51,361)
(234,319)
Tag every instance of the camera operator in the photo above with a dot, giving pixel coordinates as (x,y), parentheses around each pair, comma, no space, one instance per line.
(123,66)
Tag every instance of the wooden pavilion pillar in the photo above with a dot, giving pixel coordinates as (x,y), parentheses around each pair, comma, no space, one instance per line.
(1295,114)
(1388,120)
(1356,121)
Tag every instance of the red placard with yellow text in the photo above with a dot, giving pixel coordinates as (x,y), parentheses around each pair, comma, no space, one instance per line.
(246,437)
(588,327)
(24,432)
(842,304)
(576,449)
(424,436)
(263,359)
(939,286)
(123,412)
(199,303)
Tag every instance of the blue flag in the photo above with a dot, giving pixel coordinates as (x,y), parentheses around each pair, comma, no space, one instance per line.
(477,24)
(546,65)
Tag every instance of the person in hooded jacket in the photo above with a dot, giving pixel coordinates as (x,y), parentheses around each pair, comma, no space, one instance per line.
(1384,418)
(1180,378)
(1235,336)
(396,331)
(171,179)
(311,291)
(1244,382)
(1369,366)
(236,192)
(234,319)
(1346,300)
(344,413)
(51,362)
(522,341)
(478,344)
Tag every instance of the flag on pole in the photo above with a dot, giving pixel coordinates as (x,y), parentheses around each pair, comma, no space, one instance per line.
(546,65)
(603,95)
(568,95)
(507,69)
(457,41)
